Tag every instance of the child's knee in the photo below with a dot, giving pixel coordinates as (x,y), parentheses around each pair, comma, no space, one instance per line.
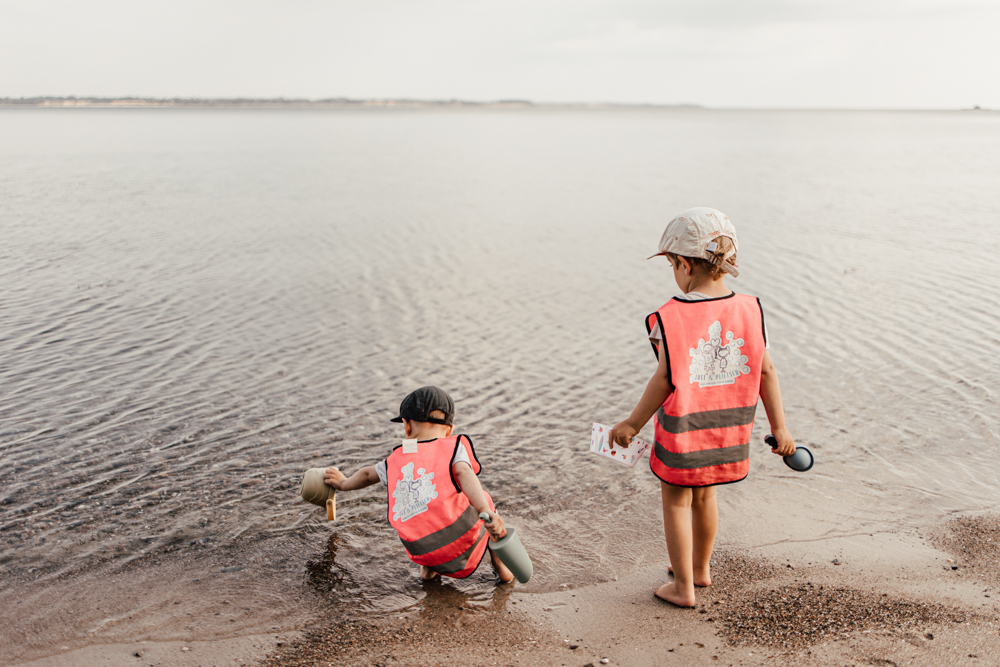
(676,496)
(703,495)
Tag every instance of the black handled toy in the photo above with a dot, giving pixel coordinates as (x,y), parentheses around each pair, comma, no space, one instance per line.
(801,460)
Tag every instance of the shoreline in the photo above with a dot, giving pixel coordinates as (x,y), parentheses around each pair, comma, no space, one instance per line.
(342,103)
(922,597)
(329,103)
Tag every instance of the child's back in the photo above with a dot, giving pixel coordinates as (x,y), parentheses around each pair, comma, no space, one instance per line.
(702,437)
(712,365)
(436,521)
(433,489)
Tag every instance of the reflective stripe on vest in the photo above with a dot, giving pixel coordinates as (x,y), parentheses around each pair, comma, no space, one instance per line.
(714,349)
(436,522)
(456,565)
(465,522)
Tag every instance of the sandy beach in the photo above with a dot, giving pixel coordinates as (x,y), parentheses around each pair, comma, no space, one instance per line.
(921,598)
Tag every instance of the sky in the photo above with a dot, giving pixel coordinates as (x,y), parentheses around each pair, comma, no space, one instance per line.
(925,54)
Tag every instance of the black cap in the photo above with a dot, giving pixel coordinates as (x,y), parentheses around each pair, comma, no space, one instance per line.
(418,406)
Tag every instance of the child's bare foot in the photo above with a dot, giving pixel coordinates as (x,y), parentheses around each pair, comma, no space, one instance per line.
(701,579)
(669,593)
(427,573)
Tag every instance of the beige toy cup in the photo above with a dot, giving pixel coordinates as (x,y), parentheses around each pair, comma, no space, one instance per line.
(316,491)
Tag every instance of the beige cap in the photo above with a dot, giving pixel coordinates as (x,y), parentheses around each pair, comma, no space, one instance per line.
(693,232)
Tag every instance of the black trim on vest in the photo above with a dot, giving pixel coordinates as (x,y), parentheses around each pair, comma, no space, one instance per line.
(459,563)
(656,350)
(714,298)
(451,472)
(649,331)
(473,448)
(696,486)
(419,442)
(666,351)
(763,329)
(705,458)
(445,536)
(697,421)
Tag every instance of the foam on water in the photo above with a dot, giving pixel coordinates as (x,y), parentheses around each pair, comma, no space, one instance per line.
(199,305)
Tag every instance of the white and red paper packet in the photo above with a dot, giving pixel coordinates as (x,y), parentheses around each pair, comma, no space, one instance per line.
(627,456)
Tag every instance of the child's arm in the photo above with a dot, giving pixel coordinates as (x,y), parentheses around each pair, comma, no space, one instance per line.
(770,394)
(473,490)
(658,389)
(359,480)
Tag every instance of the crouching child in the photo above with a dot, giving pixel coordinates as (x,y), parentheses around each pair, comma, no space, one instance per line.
(435,497)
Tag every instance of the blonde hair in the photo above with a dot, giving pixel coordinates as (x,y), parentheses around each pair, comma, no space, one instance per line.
(716,266)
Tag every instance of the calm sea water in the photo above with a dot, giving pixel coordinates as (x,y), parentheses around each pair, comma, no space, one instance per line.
(199,305)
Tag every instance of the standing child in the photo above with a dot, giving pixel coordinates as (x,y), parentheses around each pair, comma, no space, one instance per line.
(435,497)
(713,364)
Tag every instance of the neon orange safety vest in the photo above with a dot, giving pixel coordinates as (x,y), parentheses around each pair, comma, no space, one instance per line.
(436,522)
(714,352)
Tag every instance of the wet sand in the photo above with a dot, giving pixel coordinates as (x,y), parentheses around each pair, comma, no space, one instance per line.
(226,600)
(887,599)
(242,650)
(927,597)
(892,599)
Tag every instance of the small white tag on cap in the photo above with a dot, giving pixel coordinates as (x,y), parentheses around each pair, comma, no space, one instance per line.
(410,446)
(711,247)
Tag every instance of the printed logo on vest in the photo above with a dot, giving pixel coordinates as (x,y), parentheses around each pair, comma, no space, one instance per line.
(714,363)
(412,494)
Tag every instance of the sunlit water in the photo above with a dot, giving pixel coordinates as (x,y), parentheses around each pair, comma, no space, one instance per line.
(199,305)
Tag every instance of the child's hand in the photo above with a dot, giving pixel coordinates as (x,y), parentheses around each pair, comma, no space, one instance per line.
(334,478)
(495,526)
(786,446)
(621,435)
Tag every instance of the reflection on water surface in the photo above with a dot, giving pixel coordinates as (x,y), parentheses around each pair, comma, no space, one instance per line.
(200,305)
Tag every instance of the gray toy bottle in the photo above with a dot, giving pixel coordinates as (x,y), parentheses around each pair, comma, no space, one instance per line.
(511,552)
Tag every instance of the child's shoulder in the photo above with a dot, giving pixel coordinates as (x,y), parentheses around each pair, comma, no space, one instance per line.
(681,300)
(454,439)
(687,306)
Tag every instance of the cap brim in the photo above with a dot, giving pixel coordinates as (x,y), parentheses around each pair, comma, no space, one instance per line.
(657,255)
(398,420)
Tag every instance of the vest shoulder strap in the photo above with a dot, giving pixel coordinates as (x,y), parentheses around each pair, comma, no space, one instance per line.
(651,320)
(464,441)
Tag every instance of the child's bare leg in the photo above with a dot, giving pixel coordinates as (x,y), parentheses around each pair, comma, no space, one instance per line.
(677,528)
(506,576)
(704,524)
(427,573)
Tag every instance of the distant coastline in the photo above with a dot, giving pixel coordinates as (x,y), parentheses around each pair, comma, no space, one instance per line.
(348,103)
(282,103)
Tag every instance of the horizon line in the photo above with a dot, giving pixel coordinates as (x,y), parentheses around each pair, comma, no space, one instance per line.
(130,101)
